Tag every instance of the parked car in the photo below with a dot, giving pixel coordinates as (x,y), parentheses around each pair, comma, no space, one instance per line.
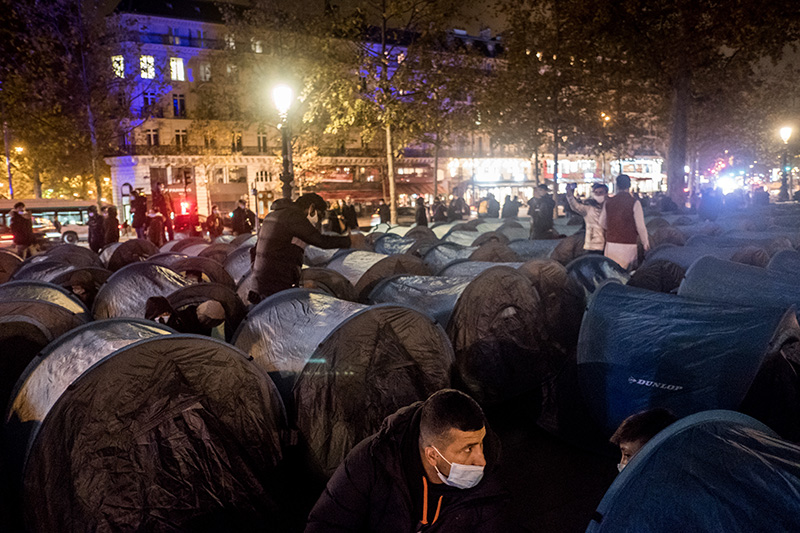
(406,216)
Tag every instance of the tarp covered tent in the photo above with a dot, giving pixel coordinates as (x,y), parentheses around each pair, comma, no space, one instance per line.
(127,290)
(365,269)
(569,248)
(167,259)
(786,263)
(314,256)
(210,270)
(9,262)
(74,255)
(591,270)
(183,244)
(198,293)
(528,249)
(48,292)
(772,245)
(658,276)
(238,263)
(712,471)
(640,349)
(40,270)
(217,251)
(684,256)
(495,323)
(131,251)
(329,282)
(155,438)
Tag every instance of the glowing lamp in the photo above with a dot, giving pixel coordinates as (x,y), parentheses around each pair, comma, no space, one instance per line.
(282,96)
(785,134)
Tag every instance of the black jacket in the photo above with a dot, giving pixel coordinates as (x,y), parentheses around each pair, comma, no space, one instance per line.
(96,232)
(541,213)
(139,210)
(22,229)
(371,491)
(243,221)
(278,260)
(350,217)
(421,216)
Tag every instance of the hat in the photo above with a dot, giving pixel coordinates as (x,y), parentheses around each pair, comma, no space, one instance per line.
(156,306)
(210,313)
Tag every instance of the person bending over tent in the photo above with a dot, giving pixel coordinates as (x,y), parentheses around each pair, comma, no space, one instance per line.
(431,467)
(636,430)
(282,239)
(623,219)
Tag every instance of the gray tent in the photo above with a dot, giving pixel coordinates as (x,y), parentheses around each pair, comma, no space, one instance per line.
(328,281)
(130,251)
(210,270)
(198,293)
(48,292)
(529,249)
(41,270)
(217,251)
(167,259)
(238,263)
(127,290)
(366,269)
(9,262)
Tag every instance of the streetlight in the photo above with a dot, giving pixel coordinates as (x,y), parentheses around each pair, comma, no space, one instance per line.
(786,133)
(283,96)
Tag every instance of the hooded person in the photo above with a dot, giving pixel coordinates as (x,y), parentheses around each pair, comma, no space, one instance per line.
(282,239)
(82,285)
(431,467)
(110,226)
(96,230)
(590,210)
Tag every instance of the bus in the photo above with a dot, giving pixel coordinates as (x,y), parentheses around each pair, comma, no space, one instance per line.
(55,220)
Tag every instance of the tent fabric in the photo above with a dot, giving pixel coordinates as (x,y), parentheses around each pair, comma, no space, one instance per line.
(495,252)
(569,248)
(48,292)
(591,270)
(365,269)
(245,285)
(490,236)
(390,244)
(238,263)
(380,228)
(214,271)
(40,270)
(421,233)
(530,249)
(108,251)
(224,239)
(314,256)
(668,234)
(440,255)
(354,263)
(639,349)
(127,290)
(217,251)
(712,471)
(167,259)
(464,238)
(771,244)
(792,235)
(751,255)
(9,262)
(168,246)
(513,232)
(435,296)
(195,294)
(195,249)
(245,239)
(684,256)
(714,280)
(399,230)
(56,318)
(658,276)
(22,338)
(183,244)
(377,361)
(440,229)
(99,276)
(329,282)
(786,263)
(131,251)
(155,438)
(72,250)
(470,269)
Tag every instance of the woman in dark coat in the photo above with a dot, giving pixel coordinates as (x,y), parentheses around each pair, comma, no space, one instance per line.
(421,216)
(96,233)
(111,226)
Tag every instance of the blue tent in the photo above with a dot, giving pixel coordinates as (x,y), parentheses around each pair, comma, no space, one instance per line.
(712,471)
(640,349)
(528,249)
(686,255)
(591,270)
(787,264)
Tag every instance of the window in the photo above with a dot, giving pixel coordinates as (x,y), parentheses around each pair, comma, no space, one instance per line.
(209,141)
(236,142)
(179,105)
(263,176)
(123,141)
(118,65)
(148,67)
(256,46)
(205,71)
(262,142)
(230,43)
(152,137)
(181,138)
(150,99)
(176,68)
(176,39)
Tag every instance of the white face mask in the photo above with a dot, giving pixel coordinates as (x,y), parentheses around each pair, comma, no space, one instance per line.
(314,219)
(461,476)
(620,466)
(599,198)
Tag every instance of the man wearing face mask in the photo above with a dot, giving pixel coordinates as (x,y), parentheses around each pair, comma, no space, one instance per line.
(595,241)
(283,237)
(432,467)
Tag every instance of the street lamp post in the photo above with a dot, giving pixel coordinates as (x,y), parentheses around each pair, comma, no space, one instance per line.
(786,133)
(283,97)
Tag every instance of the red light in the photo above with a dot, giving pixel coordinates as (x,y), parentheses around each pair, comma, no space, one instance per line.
(185,208)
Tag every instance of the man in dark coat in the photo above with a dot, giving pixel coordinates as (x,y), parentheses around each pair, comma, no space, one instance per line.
(492,206)
(349,214)
(431,467)
(214,223)
(384,211)
(282,239)
(244,220)
(110,226)
(22,230)
(540,209)
(457,209)
(163,201)
(139,210)
(421,214)
(96,230)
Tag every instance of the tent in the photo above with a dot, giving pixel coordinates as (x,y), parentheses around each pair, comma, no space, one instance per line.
(421,233)
(245,285)
(244,240)
(198,293)
(183,244)
(217,251)
(350,365)
(640,349)
(224,239)
(130,251)
(514,231)
(442,254)
(365,269)
(658,276)
(391,244)
(41,270)
(9,262)
(329,282)
(771,244)
(528,249)
(591,270)
(127,290)
(786,263)
(195,249)
(211,270)
(495,322)
(48,292)
(712,471)
(167,259)
(108,251)
(74,255)
(314,256)
(238,263)
(470,269)
(99,276)
(569,248)
(684,256)
(154,437)
(462,237)
(490,237)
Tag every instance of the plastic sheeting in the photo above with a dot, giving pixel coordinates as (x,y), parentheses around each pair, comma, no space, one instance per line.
(714,280)
(713,471)
(591,270)
(155,438)
(238,263)
(365,269)
(639,349)
(684,256)
(9,262)
(131,251)
(211,270)
(528,249)
(48,292)
(379,360)
(329,282)
(127,290)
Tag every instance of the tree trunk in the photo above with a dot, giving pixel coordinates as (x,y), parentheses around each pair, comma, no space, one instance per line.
(37,182)
(436,169)
(390,176)
(536,166)
(676,158)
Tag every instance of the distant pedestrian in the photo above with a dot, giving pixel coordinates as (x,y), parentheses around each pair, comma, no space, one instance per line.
(540,209)
(384,212)
(492,206)
(623,219)
(139,210)
(96,230)
(214,223)
(22,230)
(439,211)
(458,208)
(421,213)
(349,214)
(637,430)
(510,207)
(163,201)
(110,226)
(243,220)
(155,227)
(590,210)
